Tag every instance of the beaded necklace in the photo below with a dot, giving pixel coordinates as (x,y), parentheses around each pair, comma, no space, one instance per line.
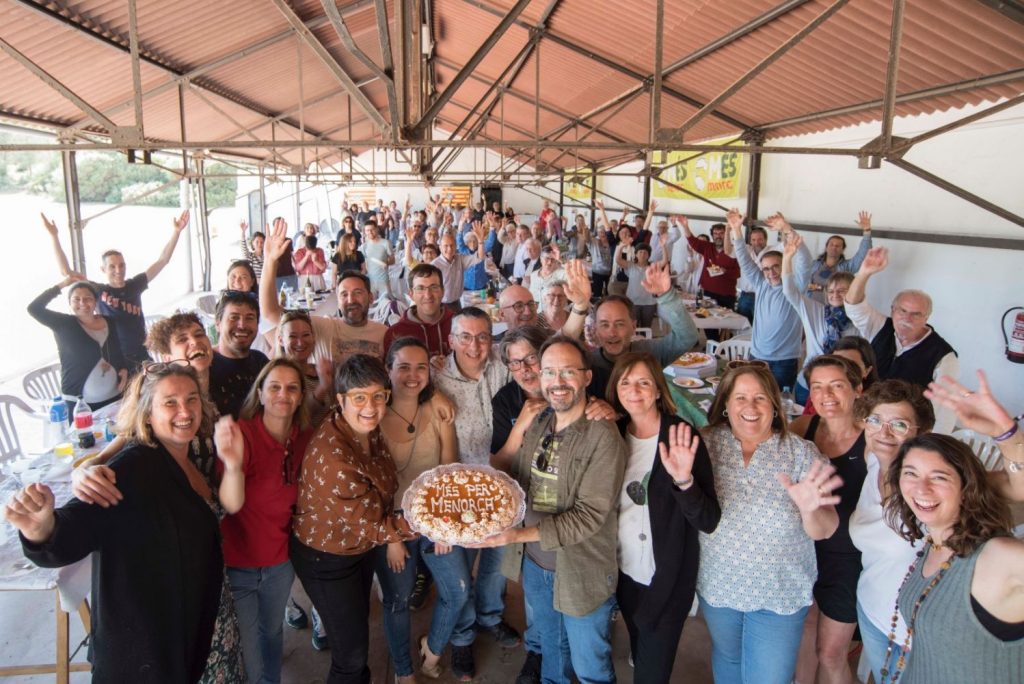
(902,660)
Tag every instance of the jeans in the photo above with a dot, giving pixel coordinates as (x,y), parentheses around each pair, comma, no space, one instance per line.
(260,596)
(745,305)
(531,637)
(598,283)
(801,394)
(453,577)
(339,587)
(568,643)
(784,372)
(487,597)
(396,589)
(756,647)
(876,643)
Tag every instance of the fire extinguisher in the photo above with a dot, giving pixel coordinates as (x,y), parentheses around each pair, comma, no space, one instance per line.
(1015,340)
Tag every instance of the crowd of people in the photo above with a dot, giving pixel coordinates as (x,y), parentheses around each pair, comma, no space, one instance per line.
(234,471)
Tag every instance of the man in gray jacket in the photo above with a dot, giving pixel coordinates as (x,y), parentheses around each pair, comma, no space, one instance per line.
(565,552)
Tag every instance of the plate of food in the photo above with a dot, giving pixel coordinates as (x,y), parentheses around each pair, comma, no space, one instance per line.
(687,382)
(694,360)
(463,504)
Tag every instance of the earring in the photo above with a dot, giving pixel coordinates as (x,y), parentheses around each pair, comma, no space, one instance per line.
(725,412)
(775,414)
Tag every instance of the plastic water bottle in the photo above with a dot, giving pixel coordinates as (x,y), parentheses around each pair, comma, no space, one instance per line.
(83,424)
(787,401)
(56,423)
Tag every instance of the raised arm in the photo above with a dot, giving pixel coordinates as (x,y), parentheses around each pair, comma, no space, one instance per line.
(577,290)
(650,215)
(682,333)
(231,452)
(275,245)
(168,251)
(58,251)
(734,222)
(750,270)
(864,221)
(602,214)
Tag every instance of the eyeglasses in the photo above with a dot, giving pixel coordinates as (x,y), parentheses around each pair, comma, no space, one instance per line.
(774,268)
(563,373)
(897,426)
(423,289)
(520,307)
(528,360)
(466,338)
(360,399)
(161,367)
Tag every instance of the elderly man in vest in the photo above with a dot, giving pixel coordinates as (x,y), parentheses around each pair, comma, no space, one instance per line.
(906,347)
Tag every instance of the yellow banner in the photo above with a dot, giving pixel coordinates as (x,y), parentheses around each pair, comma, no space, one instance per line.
(714,175)
(578,184)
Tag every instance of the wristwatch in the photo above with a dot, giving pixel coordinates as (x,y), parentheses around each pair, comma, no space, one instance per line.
(585,311)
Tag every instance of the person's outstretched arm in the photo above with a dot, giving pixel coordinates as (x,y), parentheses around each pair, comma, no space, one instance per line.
(168,251)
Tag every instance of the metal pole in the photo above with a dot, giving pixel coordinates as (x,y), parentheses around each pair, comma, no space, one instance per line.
(891,74)
(133,42)
(593,195)
(754,182)
(74,205)
(659,43)
(204,224)
(561,196)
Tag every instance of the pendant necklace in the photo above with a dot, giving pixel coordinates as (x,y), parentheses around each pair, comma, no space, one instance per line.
(411,424)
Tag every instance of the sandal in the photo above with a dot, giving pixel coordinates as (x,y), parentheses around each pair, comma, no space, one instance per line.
(432,672)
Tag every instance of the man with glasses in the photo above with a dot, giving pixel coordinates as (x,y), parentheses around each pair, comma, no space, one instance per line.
(337,338)
(518,308)
(565,551)
(426,320)
(471,376)
(906,347)
(453,265)
(777,328)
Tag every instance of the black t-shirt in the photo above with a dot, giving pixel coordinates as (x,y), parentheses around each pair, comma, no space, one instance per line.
(505,407)
(123,305)
(231,380)
(353,263)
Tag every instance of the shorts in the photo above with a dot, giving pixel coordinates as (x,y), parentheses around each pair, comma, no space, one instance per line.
(836,588)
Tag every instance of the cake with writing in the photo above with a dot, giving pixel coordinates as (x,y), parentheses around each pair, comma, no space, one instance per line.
(462,504)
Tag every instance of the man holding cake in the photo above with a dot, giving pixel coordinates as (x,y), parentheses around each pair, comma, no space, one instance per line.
(571,469)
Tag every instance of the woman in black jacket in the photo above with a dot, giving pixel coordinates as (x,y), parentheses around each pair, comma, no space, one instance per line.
(91,363)
(668,496)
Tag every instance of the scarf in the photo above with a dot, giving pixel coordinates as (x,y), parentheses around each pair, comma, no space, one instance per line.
(835,322)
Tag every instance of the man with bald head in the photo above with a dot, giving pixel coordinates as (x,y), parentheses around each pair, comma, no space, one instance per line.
(906,347)
(518,308)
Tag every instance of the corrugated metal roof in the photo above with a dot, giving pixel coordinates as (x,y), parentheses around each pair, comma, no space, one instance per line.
(242,61)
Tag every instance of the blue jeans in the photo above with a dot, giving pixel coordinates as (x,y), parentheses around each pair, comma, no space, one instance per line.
(784,372)
(757,647)
(531,637)
(876,643)
(568,643)
(801,394)
(453,577)
(260,596)
(488,593)
(396,589)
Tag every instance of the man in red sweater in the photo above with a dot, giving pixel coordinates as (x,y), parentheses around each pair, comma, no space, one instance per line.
(427,319)
(721,271)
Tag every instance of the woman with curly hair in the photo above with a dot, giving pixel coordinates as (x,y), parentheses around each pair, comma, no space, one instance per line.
(963,598)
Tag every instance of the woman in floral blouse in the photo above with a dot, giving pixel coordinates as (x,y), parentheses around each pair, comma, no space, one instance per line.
(345,509)
(757,568)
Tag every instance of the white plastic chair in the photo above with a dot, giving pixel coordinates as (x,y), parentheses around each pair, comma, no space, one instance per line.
(711,348)
(734,349)
(151,320)
(643,334)
(207,303)
(984,448)
(10,444)
(43,383)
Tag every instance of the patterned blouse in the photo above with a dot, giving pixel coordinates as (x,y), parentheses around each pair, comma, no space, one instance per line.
(759,557)
(346,495)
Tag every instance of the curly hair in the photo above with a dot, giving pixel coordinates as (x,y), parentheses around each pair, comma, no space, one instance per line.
(895,392)
(158,340)
(983,514)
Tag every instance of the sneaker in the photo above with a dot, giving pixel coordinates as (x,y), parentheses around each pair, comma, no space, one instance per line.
(294,616)
(530,673)
(503,633)
(463,666)
(319,639)
(420,590)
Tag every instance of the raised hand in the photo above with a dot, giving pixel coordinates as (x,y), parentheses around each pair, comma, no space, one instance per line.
(679,453)
(276,242)
(230,445)
(778,222)
(599,203)
(657,279)
(577,285)
(243,225)
(49,225)
(31,511)
(864,221)
(875,261)
(181,221)
(734,219)
(480,231)
(978,411)
(791,245)
(815,490)
(72,277)
(654,205)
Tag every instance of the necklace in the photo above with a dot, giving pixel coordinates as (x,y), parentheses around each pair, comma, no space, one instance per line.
(411,424)
(901,662)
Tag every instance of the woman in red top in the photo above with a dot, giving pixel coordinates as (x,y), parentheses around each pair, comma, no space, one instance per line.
(262,455)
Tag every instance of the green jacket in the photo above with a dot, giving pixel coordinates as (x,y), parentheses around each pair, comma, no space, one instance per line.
(584,533)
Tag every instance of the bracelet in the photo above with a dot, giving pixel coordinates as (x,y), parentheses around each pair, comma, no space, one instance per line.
(683,483)
(580,313)
(1011,432)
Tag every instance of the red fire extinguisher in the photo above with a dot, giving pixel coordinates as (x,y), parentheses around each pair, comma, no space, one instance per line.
(1015,340)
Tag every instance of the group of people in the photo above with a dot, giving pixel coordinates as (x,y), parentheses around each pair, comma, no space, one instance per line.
(235,471)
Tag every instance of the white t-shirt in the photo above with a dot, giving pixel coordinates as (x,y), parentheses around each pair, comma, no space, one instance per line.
(636,552)
(376,254)
(885,556)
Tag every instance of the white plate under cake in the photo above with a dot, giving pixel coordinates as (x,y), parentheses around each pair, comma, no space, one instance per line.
(463,504)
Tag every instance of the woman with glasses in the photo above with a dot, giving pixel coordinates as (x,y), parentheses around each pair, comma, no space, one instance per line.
(261,456)
(345,508)
(892,411)
(757,568)
(835,384)
(348,228)
(668,480)
(833,260)
(92,365)
(162,607)
(418,439)
(824,324)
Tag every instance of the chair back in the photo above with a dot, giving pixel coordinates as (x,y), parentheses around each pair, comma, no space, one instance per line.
(10,444)
(43,383)
(734,349)
(643,334)
(711,348)
(983,446)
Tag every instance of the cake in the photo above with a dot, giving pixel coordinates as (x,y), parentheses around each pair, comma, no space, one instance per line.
(462,504)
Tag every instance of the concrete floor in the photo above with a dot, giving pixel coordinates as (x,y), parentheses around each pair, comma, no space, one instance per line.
(27,636)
